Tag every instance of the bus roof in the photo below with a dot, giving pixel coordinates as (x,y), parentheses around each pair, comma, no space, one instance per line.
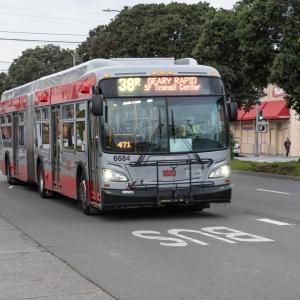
(113,67)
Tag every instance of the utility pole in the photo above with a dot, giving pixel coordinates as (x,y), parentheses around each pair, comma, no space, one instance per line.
(256,128)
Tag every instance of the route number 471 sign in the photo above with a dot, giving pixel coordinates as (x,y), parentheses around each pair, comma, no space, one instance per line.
(181,237)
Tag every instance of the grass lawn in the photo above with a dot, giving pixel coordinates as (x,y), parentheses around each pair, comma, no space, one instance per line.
(284,168)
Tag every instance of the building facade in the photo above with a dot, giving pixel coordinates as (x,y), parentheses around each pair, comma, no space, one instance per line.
(282,123)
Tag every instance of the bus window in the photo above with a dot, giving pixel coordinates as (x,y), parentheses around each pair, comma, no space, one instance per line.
(38,135)
(38,116)
(21,117)
(45,136)
(21,135)
(2,120)
(68,136)
(80,110)
(45,114)
(68,111)
(80,136)
(8,119)
(6,133)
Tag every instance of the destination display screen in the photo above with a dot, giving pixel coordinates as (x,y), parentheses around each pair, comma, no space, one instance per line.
(161,86)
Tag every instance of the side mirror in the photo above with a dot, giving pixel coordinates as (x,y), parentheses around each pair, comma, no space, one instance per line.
(97,105)
(232,111)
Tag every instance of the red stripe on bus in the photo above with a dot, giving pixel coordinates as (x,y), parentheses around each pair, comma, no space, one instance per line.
(48,180)
(76,90)
(68,186)
(23,174)
(14,104)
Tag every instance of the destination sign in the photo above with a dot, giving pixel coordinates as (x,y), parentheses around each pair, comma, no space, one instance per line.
(161,86)
(158,86)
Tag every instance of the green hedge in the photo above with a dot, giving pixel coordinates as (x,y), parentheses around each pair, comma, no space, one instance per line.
(284,168)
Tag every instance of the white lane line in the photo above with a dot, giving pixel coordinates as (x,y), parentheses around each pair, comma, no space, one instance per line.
(279,223)
(270,191)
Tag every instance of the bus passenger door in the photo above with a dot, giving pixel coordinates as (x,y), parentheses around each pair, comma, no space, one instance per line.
(15,144)
(56,147)
(94,125)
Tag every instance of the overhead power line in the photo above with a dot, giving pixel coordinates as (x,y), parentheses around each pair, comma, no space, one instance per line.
(45,17)
(45,33)
(46,41)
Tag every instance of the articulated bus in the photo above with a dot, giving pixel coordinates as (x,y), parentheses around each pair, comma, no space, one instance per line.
(122,133)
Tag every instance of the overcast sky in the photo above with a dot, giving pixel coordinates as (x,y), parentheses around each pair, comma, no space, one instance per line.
(60,16)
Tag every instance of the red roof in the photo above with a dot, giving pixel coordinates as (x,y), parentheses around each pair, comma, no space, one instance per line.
(276,110)
(251,115)
(270,110)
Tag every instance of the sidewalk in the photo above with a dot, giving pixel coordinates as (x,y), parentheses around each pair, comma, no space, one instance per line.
(28,271)
(266,158)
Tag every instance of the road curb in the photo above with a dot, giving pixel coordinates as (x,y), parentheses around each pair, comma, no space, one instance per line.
(269,175)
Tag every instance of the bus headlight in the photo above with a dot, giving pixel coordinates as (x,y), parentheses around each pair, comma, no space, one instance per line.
(110,175)
(221,172)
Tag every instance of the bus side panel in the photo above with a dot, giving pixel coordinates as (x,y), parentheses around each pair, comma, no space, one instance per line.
(68,174)
(69,187)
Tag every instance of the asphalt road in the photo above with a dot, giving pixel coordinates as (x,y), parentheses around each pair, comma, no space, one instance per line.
(249,249)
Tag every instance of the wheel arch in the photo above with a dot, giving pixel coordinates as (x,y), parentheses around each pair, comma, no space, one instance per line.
(80,171)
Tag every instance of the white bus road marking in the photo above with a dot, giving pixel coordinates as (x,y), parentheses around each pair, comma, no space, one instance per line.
(180,238)
(270,191)
(279,223)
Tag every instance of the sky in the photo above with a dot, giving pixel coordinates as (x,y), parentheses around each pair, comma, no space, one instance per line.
(73,17)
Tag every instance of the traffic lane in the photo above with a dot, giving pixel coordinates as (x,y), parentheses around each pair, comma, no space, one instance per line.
(104,249)
(258,196)
(289,187)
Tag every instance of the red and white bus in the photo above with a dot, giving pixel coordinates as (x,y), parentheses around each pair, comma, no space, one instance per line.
(121,133)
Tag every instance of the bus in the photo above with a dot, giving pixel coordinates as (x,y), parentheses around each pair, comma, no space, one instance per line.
(122,133)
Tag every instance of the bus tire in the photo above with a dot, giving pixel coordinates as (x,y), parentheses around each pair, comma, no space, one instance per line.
(41,181)
(9,179)
(82,196)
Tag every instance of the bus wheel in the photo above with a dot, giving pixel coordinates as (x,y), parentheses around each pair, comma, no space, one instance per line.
(41,182)
(9,179)
(82,197)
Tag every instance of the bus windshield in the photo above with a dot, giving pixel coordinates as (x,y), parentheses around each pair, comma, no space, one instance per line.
(165,125)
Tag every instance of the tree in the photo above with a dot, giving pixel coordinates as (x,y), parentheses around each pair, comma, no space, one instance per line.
(3,80)
(247,43)
(148,31)
(219,46)
(38,62)
(286,67)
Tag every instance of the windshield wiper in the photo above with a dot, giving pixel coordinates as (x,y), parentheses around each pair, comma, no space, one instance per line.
(173,125)
(160,128)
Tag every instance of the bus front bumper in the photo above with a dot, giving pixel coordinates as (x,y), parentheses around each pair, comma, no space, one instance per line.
(152,198)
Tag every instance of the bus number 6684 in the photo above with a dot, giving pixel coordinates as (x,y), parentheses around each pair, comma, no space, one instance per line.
(121,158)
